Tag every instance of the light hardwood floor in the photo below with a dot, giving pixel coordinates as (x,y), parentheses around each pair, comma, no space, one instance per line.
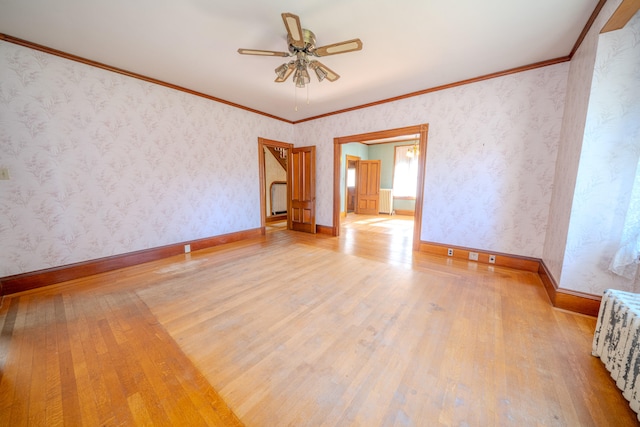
(296,329)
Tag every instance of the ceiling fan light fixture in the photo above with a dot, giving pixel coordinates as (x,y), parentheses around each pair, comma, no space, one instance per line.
(302,45)
(301,77)
(284,71)
(281,71)
(305,75)
(321,74)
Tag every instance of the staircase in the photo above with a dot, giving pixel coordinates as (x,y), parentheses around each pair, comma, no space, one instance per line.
(280,153)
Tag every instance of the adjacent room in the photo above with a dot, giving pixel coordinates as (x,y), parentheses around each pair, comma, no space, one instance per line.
(341,213)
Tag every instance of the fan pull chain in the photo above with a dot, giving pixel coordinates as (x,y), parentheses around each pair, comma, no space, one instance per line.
(295,95)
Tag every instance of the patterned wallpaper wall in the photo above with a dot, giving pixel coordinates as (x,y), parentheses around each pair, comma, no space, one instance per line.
(608,164)
(104,164)
(573,125)
(491,154)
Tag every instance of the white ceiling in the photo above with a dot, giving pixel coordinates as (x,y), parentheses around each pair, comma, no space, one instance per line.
(409,45)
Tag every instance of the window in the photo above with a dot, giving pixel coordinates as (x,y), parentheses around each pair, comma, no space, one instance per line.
(405,171)
(351,177)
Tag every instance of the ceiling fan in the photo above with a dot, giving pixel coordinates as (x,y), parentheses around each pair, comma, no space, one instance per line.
(302,45)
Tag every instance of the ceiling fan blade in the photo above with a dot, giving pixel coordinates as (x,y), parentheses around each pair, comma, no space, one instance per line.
(294,29)
(342,47)
(284,73)
(325,73)
(262,52)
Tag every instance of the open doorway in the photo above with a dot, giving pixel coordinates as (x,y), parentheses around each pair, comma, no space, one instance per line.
(273,157)
(350,183)
(418,134)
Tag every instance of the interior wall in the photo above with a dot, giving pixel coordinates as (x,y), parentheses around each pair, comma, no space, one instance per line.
(386,153)
(491,154)
(573,125)
(608,165)
(104,164)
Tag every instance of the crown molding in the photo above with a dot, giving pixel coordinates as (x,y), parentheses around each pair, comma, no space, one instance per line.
(97,64)
(515,70)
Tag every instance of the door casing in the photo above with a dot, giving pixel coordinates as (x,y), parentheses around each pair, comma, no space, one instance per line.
(350,160)
(262,142)
(422,131)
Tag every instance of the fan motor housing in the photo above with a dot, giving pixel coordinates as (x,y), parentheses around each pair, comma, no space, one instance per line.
(309,42)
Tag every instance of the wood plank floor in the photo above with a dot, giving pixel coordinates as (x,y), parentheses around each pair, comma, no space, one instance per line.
(295,329)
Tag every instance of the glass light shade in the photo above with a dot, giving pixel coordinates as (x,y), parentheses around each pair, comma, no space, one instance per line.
(281,71)
(301,77)
(320,73)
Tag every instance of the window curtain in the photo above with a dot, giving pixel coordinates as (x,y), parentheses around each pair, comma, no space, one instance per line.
(625,261)
(405,172)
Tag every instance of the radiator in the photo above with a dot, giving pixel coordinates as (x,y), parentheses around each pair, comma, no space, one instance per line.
(615,342)
(278,198)
(386,201)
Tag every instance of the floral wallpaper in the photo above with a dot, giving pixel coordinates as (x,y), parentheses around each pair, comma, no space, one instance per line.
(491,154)
(104,164)
(573,131)
(608,165)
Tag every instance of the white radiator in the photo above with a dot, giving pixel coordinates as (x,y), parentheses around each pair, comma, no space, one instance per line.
(615,342)
(386,201)
(278,198)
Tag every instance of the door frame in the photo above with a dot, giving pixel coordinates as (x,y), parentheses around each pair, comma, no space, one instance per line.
(421,130)
(262,142)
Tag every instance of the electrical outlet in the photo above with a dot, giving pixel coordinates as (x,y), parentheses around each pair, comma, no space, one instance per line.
(473,256)
(187,249)
(492,259)
(4,174)
(450,252)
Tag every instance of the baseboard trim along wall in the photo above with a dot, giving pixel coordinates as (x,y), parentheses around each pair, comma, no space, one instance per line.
(404,212)
(501,260)
(565,299)
(50,276)
(324,229)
